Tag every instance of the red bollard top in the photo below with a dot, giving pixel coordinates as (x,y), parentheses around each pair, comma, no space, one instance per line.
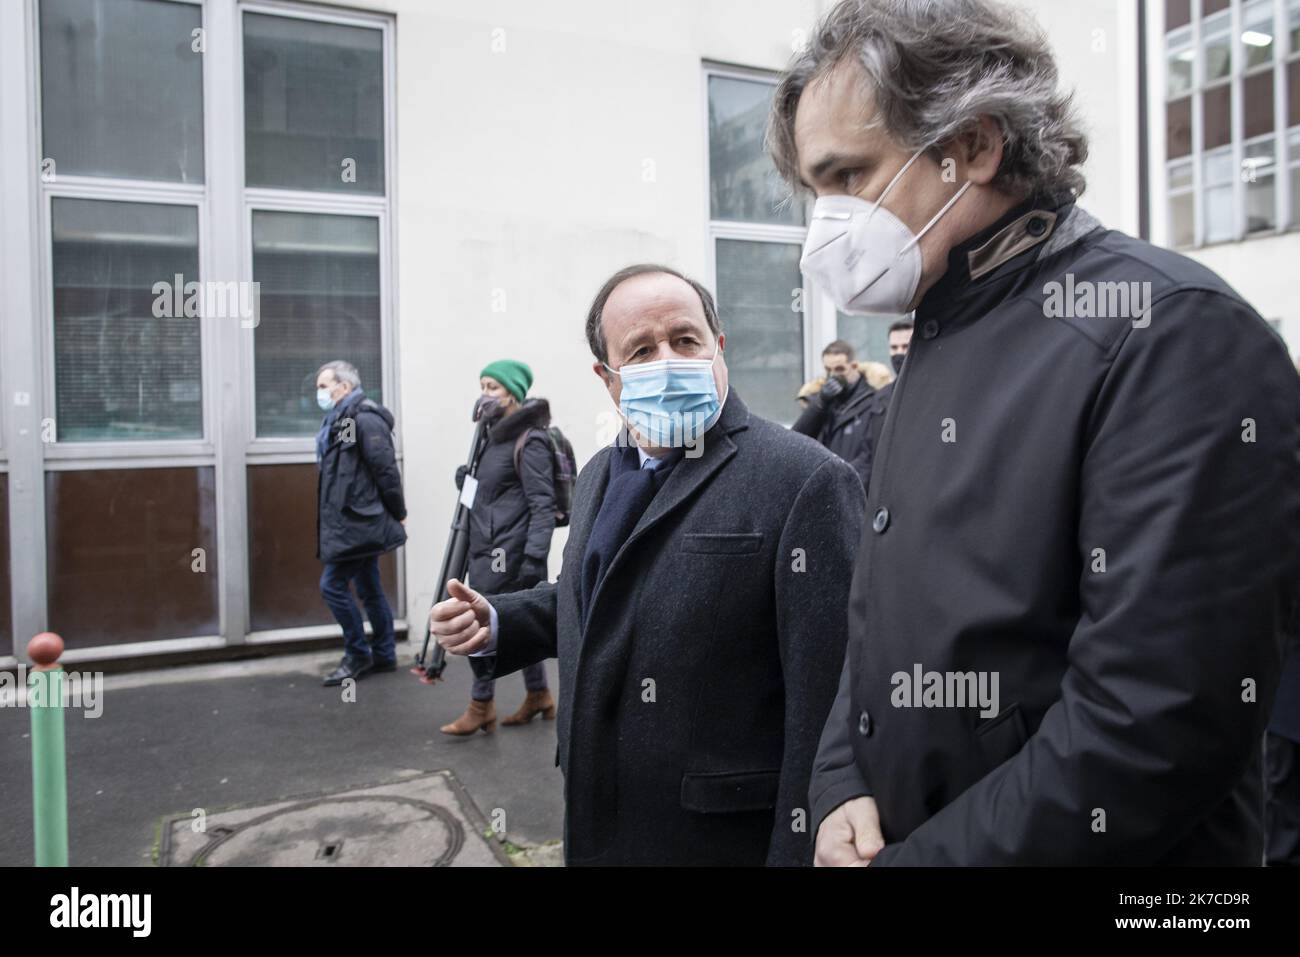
(44,650)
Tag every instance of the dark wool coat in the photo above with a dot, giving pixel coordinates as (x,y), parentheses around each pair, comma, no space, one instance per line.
(691,703)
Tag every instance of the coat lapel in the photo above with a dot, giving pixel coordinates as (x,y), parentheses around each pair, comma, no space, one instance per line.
(686,478)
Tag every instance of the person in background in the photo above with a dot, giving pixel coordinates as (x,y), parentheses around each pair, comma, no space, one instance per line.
(878,375)
(360,514)
(511,523)
(838,415)
(900,338)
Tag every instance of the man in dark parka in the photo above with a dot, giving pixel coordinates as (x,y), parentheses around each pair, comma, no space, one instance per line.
(1086,499)
(699,632)
(360,511)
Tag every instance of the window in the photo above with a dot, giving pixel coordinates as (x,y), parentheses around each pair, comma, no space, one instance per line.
(1223,146)
(319,277)
(313,125)
(756,237)
(313,105)
(121,371)
(122,89)
(150,386)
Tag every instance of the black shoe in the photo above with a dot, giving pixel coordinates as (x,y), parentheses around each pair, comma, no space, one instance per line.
(381,666)
(348,668)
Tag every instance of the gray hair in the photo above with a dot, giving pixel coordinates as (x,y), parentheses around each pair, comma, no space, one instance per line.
(934,67)
(595,330)
(344,372)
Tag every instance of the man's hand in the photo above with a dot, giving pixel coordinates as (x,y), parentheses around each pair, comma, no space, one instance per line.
(461,623)
(850,835)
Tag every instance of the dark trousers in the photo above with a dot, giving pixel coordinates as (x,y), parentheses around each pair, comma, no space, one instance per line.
(1281,801)
(363,573)
(534,680)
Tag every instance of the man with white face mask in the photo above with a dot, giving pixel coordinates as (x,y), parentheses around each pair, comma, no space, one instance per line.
(1086,494)
(699,615)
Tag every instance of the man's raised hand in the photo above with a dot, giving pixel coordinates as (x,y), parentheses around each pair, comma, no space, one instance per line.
(461,623)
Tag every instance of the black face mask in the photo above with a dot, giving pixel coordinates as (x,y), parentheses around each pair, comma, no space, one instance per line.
(488,408)
(897,362)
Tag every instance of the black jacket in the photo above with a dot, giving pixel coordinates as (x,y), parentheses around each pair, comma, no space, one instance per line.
(1103,513)
(513,515)
(691,702)
(359,504)
(844,426)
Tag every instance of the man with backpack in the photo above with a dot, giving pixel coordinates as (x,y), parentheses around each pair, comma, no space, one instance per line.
(360,512)
(517,501)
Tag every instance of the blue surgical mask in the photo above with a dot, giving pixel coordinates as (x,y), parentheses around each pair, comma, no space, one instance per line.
(323,399)
(670,402)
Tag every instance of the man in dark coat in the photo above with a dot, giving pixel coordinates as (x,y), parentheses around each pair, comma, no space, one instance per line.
(699,616)
(1083,558)
(840,415)
(359,516)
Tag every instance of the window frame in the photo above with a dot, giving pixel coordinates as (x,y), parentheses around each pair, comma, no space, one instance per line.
(224,210)
(818,318)
(288,449)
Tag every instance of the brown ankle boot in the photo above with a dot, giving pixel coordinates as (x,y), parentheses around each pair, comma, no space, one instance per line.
(537,702)
(480,715)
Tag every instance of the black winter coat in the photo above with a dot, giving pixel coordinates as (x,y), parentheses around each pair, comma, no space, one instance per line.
(359,503)
(513,516)
(1103,513)
(692,699)
(845,426)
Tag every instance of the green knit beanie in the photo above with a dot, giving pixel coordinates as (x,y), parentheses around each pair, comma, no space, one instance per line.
(514,375)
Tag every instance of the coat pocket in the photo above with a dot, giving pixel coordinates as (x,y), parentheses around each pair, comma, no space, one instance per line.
(1003,735)
(366,511)
(722,792)
(722,543)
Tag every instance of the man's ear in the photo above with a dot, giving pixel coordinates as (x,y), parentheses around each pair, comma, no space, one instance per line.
(979,147)
(601,373)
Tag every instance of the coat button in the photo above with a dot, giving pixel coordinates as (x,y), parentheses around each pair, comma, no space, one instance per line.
(880,521)
(864,725)
(1036,226)
(930,329)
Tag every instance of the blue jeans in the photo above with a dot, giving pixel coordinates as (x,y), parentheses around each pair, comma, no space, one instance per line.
(364,572)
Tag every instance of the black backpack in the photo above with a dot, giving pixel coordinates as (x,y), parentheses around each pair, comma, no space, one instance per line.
(564,469)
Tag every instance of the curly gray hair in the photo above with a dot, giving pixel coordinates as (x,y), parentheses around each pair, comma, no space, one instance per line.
(933,67)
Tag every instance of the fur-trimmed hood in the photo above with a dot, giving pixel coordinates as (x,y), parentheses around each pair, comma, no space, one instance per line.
(532,414)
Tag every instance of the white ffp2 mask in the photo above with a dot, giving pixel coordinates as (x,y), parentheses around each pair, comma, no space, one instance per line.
(864,255)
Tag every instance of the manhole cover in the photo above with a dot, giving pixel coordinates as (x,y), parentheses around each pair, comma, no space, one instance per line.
(422,821)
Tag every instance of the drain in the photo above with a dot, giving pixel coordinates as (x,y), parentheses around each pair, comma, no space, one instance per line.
(329,852)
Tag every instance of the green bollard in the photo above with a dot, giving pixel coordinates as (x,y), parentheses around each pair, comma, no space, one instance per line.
(49,762)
